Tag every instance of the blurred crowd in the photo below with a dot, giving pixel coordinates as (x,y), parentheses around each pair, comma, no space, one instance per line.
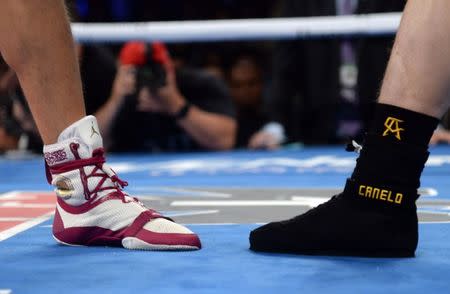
(223,95)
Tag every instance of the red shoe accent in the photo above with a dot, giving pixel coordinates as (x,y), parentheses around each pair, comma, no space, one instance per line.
(97,236)
(95,211)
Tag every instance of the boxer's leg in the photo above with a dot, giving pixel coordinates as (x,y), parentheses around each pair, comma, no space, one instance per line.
(376,215)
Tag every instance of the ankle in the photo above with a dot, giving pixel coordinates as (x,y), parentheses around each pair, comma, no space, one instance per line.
(395,148)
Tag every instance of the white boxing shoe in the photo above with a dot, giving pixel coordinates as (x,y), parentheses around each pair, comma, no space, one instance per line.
(91,207)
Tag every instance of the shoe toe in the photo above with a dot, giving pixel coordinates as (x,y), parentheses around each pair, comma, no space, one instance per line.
(162,234)
(266,238)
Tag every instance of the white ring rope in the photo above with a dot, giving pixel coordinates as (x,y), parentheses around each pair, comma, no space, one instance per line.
(233,30)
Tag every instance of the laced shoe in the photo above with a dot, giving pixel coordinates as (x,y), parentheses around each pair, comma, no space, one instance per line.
(92,209)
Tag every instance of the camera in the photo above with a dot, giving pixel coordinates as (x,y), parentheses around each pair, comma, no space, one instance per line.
(151,74)
(150,61)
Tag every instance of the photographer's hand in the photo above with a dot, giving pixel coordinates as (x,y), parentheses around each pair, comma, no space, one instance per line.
(210,130)
(124,82)
(263,140)
(167,100)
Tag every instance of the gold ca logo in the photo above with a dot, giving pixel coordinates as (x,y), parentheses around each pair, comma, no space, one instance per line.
(392,126)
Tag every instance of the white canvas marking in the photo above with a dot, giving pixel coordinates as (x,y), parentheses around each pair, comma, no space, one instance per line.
(15,204)
(189,213)
(239,203)
(24,226)
(153,191)
(13,219)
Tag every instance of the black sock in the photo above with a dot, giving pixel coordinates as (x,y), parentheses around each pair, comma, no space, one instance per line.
(395,148)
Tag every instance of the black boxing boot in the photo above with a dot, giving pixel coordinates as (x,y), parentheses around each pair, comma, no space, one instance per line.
(375,215)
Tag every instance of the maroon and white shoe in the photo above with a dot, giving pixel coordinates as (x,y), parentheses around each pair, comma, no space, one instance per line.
(91,207)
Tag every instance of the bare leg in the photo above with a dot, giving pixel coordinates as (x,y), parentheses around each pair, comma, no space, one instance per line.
(36,42)
(418,73)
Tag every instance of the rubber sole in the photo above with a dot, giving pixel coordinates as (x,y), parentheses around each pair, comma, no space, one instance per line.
(132,243)
(349,253)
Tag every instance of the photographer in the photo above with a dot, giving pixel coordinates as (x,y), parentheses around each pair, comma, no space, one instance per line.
(155,108)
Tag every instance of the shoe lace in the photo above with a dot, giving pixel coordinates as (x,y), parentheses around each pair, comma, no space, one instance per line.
(104,172)
(101,170)
(353,146)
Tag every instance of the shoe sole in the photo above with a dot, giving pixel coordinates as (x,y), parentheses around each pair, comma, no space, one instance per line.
(67,244)
(352,253)
(132,243)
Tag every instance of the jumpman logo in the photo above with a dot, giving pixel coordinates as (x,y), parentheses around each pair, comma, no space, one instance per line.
(392,125)
(93,131)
